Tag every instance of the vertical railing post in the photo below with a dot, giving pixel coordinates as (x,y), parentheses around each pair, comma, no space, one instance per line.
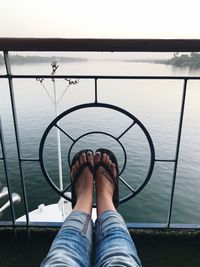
(95,91)
(177,151)
(6,173)
(59,152)
(14,114)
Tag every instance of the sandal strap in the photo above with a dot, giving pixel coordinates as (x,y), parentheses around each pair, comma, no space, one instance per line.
(81,168)
(107,169)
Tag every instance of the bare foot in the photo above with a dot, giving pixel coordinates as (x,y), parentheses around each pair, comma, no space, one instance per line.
(104,184)
(84,184)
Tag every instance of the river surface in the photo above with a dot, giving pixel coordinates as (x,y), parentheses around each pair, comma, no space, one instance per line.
(156,103)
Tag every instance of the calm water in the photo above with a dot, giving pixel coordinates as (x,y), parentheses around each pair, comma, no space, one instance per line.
(155,103)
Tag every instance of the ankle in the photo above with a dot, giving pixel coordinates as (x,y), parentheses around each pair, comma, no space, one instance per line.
(84,203)
(104,195)
(104,204)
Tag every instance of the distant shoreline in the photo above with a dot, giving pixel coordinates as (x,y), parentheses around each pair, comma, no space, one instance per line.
(20,60)
(192,61)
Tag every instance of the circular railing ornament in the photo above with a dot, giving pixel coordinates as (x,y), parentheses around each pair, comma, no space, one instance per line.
(55,123)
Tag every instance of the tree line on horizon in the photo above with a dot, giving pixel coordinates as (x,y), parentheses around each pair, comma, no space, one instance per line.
(191,60)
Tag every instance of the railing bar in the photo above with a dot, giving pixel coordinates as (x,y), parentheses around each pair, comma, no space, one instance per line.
(126,184)
(149,226)
(165,160)
(6,174)
(177,150)
(99,45)
(154,226)
(96,91)
(30,159)
(12,98)
(64,132)
(17,76)
(126,130)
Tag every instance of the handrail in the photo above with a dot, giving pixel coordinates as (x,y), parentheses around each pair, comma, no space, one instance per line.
(99,45)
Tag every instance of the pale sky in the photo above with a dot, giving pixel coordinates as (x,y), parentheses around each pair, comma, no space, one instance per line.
(100,19)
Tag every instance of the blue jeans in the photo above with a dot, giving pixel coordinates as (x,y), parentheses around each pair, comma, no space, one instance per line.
(73,244)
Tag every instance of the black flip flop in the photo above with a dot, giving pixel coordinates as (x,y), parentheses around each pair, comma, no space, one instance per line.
(108,170)
(81,168)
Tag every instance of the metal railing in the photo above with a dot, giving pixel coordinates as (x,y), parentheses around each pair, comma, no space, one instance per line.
(9,44)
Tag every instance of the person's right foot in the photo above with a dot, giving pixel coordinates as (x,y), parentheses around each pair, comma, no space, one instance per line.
(105,185)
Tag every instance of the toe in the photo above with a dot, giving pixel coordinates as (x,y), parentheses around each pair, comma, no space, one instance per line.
(97,157)
(104,157)
(113,169)
(84,158)
(107,160)
(90,157)
(81,159)
(73,171)
(76,165)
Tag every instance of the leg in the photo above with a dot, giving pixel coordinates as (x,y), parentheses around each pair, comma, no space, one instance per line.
(114,246)
(73,244)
